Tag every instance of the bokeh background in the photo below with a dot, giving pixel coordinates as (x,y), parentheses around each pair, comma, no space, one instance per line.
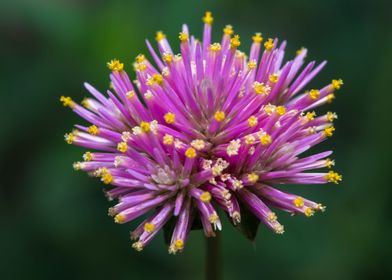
(54,222)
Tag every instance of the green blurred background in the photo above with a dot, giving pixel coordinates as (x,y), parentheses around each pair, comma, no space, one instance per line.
(54,222)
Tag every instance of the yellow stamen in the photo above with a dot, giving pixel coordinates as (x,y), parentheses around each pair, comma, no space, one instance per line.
(115,65)
(106,177)
(168,139)
(69,138)
(205,197)
(273,78)
(157,78)
(119,219)
(145,126)
(77,166)
(261,88)
(253,177)
(249,139)
(130,94)
(337,84)
(228,30)
(190,152)
(149,227)
(252,121)
(169,117)
(67,101)
(333,177)
(252,64)
(269,109)
(183,37)
(309,212)
(198,144)
(160,36)
(219,116)
(88,156)
(281,110)
(179,244)
(85,103)
(138,246)
(93,130)
(330,97)
(122,147)
(271,217)
(329,163)
(300,51)
(328,132)
(269,44)
(208,19)
(140,66)
(215,47)
(279,229)
(298,202)
(265,139)
(140,58)
(235,42)
(331,116)
(167,57)
(310,115)
(314,94)
(257,38)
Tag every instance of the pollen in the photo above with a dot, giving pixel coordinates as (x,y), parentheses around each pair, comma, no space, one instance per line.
(269,44)
(169,117)
(115,65)
(273,78)
(122,147)
(179,244)
(331,116)
(265,139)
(252,121)
(253,177)
(205,197)
(257,38)
(261,88)
(328,132)
(130,94)
(330,97)
(85,102)
(77,166)
(106,177)
(269,109)
(140,58)
(198,144)
(219,116)
(271,217)
(228,30)
(67,101)
(138,246)
(329,163)
(249,139)
(279,229)
(140,66)
(167,57)
(299,51)
(337,84)
(149,227)
(69,138)
(183,37)
(215,47)
(88,156)
(168,139)
(157,78)
(314,94)
(208,19)
(145,126)
(333,177)
(252,64)
(93,130)
(233,147)
(298,202)
(235,42)
(159,36)
(119,219)
(281,110)
(310,115)
(190,152)
(309,212)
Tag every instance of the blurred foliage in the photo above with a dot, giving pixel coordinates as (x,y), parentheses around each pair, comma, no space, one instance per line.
(53,220)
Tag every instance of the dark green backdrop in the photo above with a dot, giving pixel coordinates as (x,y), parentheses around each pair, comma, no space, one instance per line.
(53,220)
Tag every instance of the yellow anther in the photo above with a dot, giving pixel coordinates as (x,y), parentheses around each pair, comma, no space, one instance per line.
(314,94)
(198,144)
(219,116)
(279,229)
(67,101)
(309,212)
(261,88)
(337,84)
(122,147)
(205,197)
(299,51)
(157,78)
(140,66)
(69,138)
(333,177)
(228,30)
(213,218)
(310,115)
(265,139)
(253,177)
(298,202)
(330,97)
(85,103)
(119,219)
(252,64)
(190,152)
(235,42)
(179,244)
(115,65)
(269,109)
(252,121)
(138,246)
(281,110)
(328,132)
(169,117)
(93,130)
(257,38)
(140,58)
(269,44)
(111,85)
(145,126)
(331,116)
(77,166)
(160,36)
(167,57)
(249,139)
(149,227)
(215,47)
(88,156)
(168,139)
(130,94)
(183,37)
(271,217)
(106,177)
(208,19)
(329,163)
(273,78)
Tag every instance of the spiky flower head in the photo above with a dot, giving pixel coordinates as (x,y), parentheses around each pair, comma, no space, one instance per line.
(206,129)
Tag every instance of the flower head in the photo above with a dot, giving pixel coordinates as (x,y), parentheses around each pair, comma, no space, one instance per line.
(204,129)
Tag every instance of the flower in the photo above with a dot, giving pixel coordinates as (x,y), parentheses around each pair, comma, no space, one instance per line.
(204,129)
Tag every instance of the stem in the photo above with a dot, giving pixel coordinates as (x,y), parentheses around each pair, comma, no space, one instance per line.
(214,258)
